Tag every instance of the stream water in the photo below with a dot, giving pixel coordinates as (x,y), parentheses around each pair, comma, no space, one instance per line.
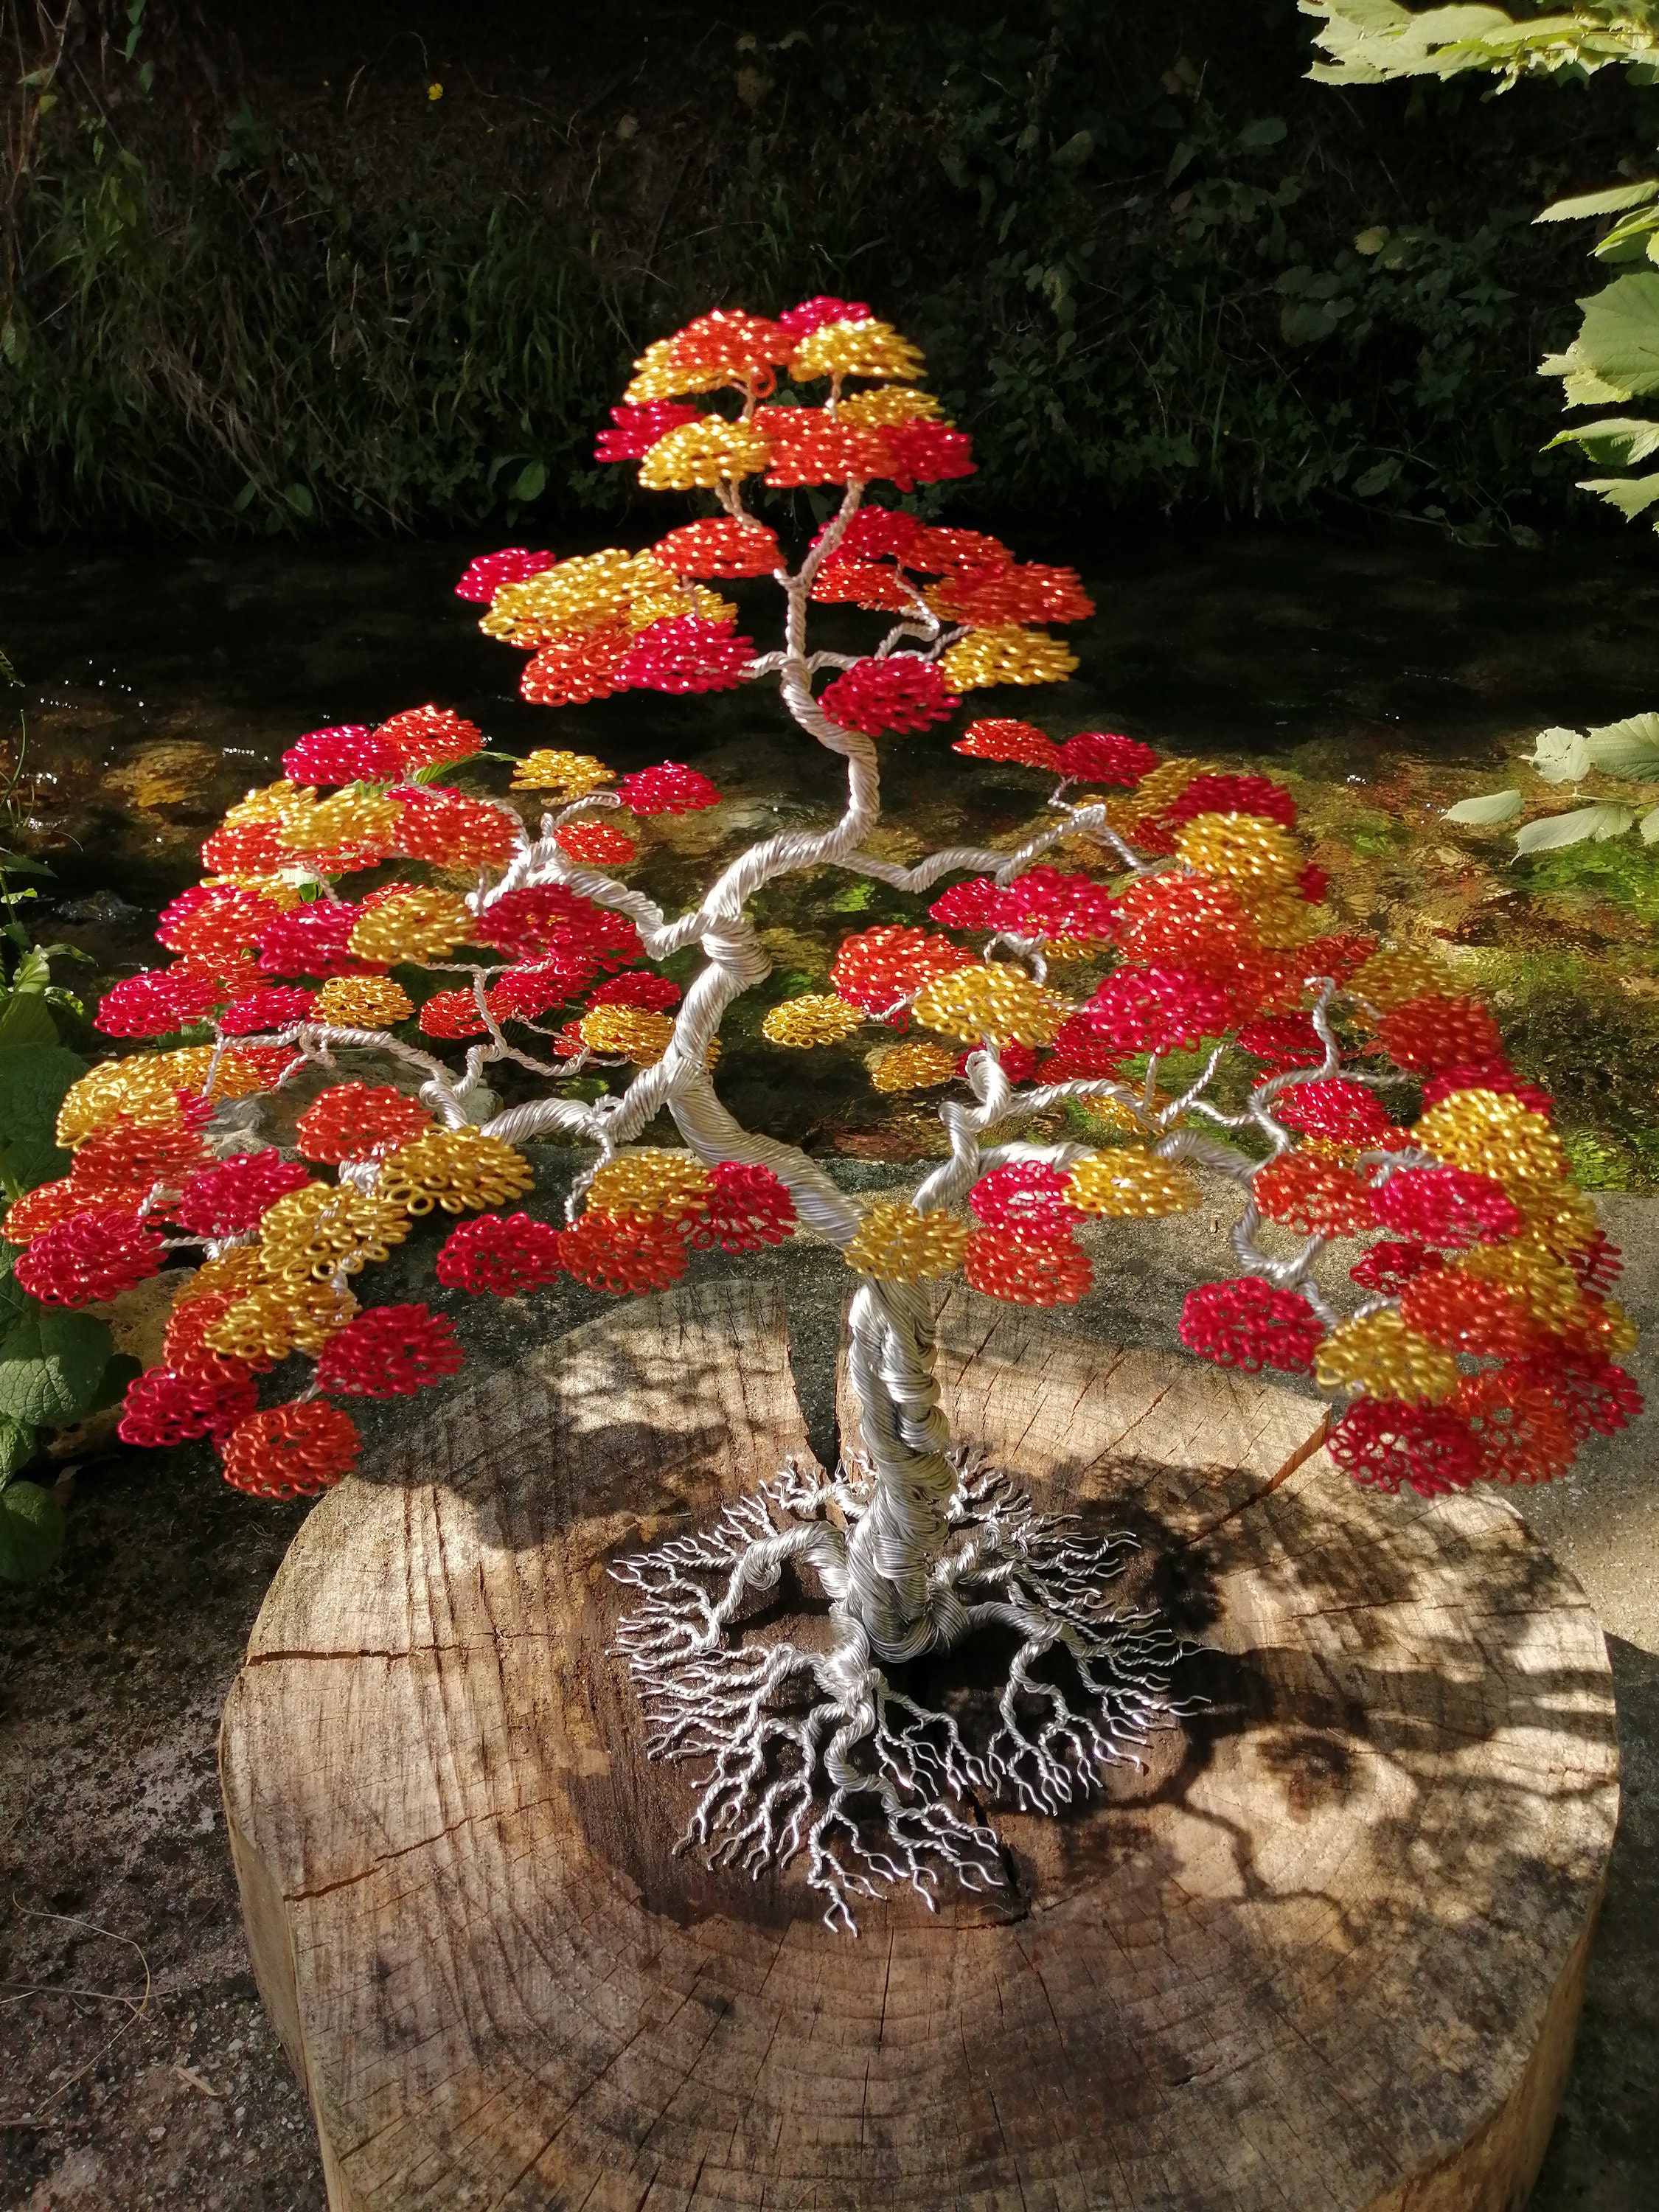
(1384,678)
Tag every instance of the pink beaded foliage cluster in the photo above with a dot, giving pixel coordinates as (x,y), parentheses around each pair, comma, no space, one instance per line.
(1178,989)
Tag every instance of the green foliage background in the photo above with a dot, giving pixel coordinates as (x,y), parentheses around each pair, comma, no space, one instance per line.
(256,277)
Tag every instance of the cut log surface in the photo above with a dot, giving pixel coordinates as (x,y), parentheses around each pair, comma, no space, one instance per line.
(1327,1954)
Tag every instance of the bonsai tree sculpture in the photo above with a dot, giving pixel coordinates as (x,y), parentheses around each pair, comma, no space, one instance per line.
(1350,1091)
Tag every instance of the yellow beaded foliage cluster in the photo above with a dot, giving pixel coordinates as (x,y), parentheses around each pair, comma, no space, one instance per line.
(234,1272)
(634,1033)
(453,1169)
(279,890)
(818,1018)
(561,774)
(1380,1355)
(352,817)
(1493,1132)
(1282,920)
(1161,787)
(1613,1326)
(1255,855)
(1131,1183)
(1389,978)
(662,601)
(280,1316)
(189,1068)
(899,1245)
(1550,1293)
(1002,652)
(725,346)
(1546,1286)
(702,454)
(1118,1115)
(420,924)
(875,411)
(913,1068)
(270,802)
(997,1000)
(323,1228)
(1556,1218)
(651,1180)
(361,1002)
(865,347)
(662,372)
(132,1089)
(580,594)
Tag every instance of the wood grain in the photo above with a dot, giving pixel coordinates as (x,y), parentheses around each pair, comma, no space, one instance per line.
(1328,1955)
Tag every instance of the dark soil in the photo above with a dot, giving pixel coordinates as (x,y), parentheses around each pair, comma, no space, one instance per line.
(140,2070)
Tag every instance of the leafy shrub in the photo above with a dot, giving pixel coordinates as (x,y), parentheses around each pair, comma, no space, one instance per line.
(1135,284)
(55,1367)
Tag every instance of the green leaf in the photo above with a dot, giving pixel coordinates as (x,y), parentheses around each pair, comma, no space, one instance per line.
(1585,824)
(532,481)
(20,864)
(26,1019)
(1614,199)
(1580,384)
(1630,495)
(16,1446)
(1495,807)
(123,1369)
(1617,441)
(27,1162)
(1651,827)
(1267,131)
(1619,341)
(1304,322)
(1631,239)
(1627,748)
(1560,755)
(298,497)
(31,1532)
(34,969)
(1378,478)
(33,1081)
(52,1361)
(1075,152)
(1370,41)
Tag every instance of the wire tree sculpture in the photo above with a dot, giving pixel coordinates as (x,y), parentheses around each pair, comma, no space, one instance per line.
(1350,1091)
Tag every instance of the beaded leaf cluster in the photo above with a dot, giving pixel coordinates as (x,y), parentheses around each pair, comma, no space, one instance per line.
(1144,987)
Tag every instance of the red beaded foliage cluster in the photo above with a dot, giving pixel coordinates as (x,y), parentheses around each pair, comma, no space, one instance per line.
(882,696)
(1082,999)
(1249,1323)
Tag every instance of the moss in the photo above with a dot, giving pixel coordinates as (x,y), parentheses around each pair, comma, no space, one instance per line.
(1597,1164)
(1623,871)
(855,899)
(1375,840)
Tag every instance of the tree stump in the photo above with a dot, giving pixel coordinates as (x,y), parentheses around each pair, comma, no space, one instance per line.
(1327,1954)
